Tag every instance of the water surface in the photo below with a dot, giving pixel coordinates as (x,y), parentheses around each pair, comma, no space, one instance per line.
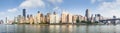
(59,28)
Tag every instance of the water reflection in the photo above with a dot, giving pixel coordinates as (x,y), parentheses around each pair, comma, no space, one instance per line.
(59,28)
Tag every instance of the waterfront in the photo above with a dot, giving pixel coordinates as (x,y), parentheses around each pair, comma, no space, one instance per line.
(26,28)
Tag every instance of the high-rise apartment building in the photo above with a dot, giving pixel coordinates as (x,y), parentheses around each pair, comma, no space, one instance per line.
(54,18)
(64,17)
(69,18)
(38,17)
(31,19)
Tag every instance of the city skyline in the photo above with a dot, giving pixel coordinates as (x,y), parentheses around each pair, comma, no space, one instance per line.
(71,6)
(59,16)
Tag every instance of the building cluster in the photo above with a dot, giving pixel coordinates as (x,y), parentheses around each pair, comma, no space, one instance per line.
(54,18)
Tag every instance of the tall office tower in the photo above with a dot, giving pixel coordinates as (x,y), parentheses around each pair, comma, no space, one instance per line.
(24,13)
(69,18)
(31,19)
(38,17)
(64,17)
(54,18)
(87,14)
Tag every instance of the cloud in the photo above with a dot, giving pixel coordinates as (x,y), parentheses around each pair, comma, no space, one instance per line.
(56,8)
(32,4)
(93,1)
(2,13)
(12,10)
(109,8)
(55,1)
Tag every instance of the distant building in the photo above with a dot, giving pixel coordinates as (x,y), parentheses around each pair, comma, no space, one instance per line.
(31,19)
(28,19)
(41,18)
(48,17)
(85,18)
(64,17)
(18,18)
(38,17)
(74,18)
(24,15)
(98,17)
(69,18)
(92,18)
(6,20)
(77,18)
(81,18)
(87,15)
(1,21)
(44,20)
(114,17)
(15,19)
(35,20)
(54,18)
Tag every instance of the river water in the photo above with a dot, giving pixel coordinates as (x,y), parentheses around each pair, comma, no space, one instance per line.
(25,28)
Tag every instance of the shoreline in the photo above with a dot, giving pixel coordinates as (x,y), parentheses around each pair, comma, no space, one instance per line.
(66,24)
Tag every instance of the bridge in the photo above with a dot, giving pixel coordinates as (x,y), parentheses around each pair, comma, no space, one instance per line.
(113,21)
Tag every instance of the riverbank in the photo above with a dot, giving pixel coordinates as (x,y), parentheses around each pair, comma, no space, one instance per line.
(65,24)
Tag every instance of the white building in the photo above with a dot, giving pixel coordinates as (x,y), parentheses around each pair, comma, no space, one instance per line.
(54,18)
(38,17)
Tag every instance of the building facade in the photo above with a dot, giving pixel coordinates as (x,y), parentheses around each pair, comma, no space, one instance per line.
(54,18)
(64,17)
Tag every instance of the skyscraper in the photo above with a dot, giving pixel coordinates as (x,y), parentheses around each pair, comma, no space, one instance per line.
(24,13)
(87,14)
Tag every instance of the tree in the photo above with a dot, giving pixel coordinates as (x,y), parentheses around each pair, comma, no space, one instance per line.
(78,21)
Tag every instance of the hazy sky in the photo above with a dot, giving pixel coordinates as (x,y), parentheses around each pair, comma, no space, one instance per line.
(107,8)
